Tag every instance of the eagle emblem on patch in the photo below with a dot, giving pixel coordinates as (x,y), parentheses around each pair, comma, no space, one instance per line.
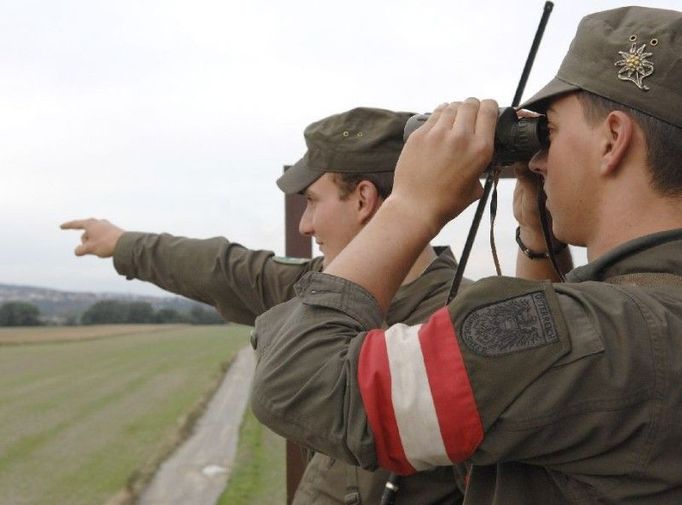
(634,64)
(512,325)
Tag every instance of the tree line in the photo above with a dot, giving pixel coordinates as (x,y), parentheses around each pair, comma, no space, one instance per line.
(110,312)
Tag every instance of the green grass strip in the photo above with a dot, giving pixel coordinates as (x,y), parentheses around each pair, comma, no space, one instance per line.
(258,475)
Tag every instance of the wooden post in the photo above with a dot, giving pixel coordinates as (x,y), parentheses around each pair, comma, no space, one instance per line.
(298,246)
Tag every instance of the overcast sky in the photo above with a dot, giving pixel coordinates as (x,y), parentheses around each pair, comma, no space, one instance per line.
(178,115)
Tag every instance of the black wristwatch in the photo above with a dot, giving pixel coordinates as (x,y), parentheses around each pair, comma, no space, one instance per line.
(533,254)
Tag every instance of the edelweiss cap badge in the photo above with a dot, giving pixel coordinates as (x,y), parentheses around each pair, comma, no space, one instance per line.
(635,66)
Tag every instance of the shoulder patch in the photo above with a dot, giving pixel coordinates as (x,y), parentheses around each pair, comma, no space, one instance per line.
(288,260)
(512,325)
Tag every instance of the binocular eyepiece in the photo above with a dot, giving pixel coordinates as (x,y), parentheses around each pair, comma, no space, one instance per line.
(516,139)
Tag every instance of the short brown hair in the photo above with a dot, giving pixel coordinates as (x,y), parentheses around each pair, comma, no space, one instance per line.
(347,182)
(664,141)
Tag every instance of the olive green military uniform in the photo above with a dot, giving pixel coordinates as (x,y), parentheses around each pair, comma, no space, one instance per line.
(242,284)
(553,393)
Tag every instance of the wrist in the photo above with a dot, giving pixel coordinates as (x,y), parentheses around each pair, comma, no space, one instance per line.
(412,216)
(535,251)
(532,237)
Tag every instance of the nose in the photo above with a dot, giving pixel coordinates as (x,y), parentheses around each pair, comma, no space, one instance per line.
(305,225)
(538,163)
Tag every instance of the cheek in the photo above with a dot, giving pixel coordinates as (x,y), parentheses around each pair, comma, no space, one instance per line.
(344,221)
(325,219)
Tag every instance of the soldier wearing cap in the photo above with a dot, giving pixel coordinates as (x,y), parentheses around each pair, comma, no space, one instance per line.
(345,175)
(549,393)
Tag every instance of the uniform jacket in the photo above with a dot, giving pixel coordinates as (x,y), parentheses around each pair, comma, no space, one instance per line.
(549,393)
(242,284)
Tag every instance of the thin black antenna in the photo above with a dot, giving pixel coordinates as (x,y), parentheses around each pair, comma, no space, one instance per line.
(480,208)
(393,483)
(546,11)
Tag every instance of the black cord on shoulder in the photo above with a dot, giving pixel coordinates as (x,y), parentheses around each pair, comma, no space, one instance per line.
(547,231)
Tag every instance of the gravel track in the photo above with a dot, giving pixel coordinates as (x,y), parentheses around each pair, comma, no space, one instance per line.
(196,473)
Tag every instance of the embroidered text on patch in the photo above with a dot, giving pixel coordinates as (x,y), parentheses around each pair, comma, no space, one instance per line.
(635,66)
(517,324)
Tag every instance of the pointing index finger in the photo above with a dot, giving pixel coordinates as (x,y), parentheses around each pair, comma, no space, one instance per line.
(76,224)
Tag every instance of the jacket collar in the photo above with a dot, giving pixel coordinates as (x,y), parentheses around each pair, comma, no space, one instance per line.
(659,253)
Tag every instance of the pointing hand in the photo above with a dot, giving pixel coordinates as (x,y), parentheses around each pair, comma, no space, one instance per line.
(99,236)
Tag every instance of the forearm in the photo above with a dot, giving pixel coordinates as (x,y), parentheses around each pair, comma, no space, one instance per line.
(380,256)
(239,282)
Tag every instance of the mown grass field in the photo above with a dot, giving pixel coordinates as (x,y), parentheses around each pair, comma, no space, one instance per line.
(44,334)
(82,417)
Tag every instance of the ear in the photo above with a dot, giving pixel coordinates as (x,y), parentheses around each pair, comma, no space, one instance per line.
(368,200)
(618,136)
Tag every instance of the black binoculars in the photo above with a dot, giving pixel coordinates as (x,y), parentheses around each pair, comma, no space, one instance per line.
(516,139)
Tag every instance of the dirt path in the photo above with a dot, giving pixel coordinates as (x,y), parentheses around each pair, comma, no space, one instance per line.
(197,472)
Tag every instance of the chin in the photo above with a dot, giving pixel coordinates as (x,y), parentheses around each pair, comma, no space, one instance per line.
(562,235)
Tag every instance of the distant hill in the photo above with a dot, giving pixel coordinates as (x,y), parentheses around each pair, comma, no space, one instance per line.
(57,306)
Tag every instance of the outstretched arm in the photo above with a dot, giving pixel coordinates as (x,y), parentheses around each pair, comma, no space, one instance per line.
(240,283)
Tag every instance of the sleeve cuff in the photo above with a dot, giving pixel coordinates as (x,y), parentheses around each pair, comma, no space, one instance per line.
(124,262)
(324,290)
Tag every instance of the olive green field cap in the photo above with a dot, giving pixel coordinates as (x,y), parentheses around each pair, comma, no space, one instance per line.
(361,140)
(631,55)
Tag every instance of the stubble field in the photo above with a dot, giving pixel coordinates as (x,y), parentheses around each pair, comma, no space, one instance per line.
(85,412)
